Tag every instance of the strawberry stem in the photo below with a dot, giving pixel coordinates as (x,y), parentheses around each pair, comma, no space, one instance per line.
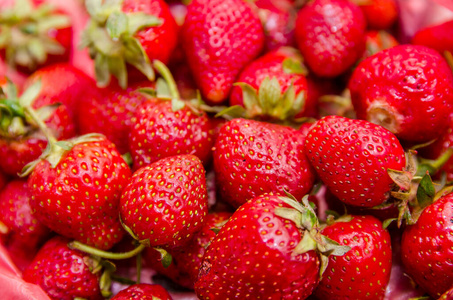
(105,254)
(166,74)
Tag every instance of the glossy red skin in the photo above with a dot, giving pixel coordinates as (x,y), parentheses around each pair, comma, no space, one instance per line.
(380,14)
(351,157)
(377,41)
(270,65)
(158,131)
(62,273)
(143,291)
(252,158)
(220,38)
(112,114)
(427,247)
(157,41)
(413,83)
(62,36)
(437,37)
(87,182)
(16,154)
(25,233)
(278,18)
(436,149)
(166,201)
(331,35)
(364,271)
(252,255)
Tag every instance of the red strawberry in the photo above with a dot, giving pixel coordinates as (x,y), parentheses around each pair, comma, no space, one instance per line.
(377,41)
(3,180)
(438,37)
(20,140)
(363,272)
(427,247)
(129,33)
(352,158)
(78,195)
(62,273)
(278,18)
(112,114)
(253,256)
(283,69)
(165,203)
(187,259)
(406,89)
(34,34)
(331,35)
(252,158)
(143,291)
(380,14)
(220,38)
(20,231)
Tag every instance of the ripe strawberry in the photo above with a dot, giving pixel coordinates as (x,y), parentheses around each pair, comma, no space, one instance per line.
(62,273)
(269,97)
(33,34)
(3,180)
(129,34)
(187,259)
(20,231)
(78,195)
(331,35)
(143,291)
(352,158)
(407,89)
(165,203)
(426,247)
(111,115)
(20,140)
(252,158)
(377,41)
(253,257)
(437,37)
(363,272)
(380,14)
(278,18)
(220,38)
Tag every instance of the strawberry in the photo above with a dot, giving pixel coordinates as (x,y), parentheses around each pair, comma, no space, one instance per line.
(407,89)
(220,38)
(126,35)
(253,157)
(20,139)
(33,34)
(437,37)
(380,14)
(187,259)
(352,157)
(20,231)
(273,86)
(62,273)
(165,203)
(278,18)
(76,193)
(426,247)
(143,291)
(163,127)
(331,35)
(253,256)
(363,272)
(3,180)
(112,114)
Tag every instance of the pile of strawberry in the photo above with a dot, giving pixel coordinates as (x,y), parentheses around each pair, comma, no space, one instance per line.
(268,149)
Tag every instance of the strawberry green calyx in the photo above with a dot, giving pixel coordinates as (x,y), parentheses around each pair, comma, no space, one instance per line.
(110,40)
(105,254)
(24,33)
(96,265)
(304,217)
(294,66)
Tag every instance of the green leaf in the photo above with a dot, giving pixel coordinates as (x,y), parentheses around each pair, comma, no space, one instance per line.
(46,111)
(166,258)
(136,56)
(117,67)
(332,247)
(306,244)
(162,88)
(177,104)
(289,214)
(387,222)
(30,94)
(426,191)
(140,20)
(401,178)
(235,111)
(293,66)
(36,50)
(104,44)
(53,22)
(93,7)
(101,68)
(117,24)
(269,94)
(249,96)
